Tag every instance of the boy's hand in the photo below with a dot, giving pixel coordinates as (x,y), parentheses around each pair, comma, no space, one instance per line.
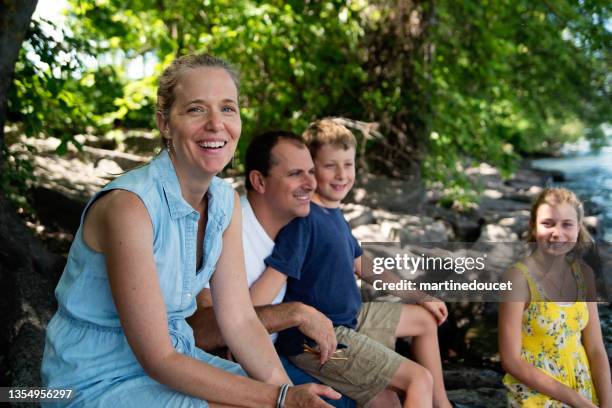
(320,329)
(436,307)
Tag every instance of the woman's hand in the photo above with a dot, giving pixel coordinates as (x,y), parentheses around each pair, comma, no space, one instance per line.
(308,395)
(436,307)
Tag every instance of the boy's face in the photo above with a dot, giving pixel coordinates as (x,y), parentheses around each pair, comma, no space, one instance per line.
(335,173)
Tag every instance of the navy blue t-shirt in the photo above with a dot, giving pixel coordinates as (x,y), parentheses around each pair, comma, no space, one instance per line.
(317,254)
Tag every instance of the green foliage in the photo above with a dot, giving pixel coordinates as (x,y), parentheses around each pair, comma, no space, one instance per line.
(515,77)
(450,83)
(296,60)
(16,176)
(46,96)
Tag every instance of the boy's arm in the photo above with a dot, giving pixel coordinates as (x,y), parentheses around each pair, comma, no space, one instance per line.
(267,286)
(274,318)
(434,305)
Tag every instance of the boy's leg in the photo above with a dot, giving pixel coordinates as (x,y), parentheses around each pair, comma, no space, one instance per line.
(365,368)
(417,384)
(416,322)
(385,321)
(379,321)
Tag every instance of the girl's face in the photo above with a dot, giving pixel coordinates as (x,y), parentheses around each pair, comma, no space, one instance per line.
(556,228)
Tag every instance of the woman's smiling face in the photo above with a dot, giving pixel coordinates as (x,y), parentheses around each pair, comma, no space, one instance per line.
(204,122)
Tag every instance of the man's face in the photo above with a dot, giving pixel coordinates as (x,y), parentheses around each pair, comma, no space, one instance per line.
(290,182)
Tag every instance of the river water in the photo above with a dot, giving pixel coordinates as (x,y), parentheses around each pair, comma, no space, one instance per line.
(588,174)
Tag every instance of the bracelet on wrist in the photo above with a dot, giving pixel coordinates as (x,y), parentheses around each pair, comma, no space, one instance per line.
(282,394)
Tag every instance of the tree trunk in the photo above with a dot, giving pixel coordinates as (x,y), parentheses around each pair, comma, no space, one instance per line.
(27,270)
(398,57)
(15,16)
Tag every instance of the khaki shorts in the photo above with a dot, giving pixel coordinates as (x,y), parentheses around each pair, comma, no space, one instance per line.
(371,359)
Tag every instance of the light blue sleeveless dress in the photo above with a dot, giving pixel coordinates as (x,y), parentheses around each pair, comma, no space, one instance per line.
(85,347)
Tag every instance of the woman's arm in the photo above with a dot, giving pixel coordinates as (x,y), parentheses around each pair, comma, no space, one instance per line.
(510,345)
(594,346)
(274,318)
(122,228)
(239,325)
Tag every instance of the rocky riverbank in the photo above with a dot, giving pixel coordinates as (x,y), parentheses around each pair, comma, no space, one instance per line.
(379,210)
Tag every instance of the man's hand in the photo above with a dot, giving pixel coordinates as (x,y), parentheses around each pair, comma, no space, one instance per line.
(436,307)
(307,395)
(319,328)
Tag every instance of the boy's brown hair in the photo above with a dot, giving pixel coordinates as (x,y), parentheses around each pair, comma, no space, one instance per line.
(328,131)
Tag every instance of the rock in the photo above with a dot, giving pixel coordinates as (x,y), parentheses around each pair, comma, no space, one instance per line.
(126,161)
(370,233)
(493,210)
(57,209)
(465,225)
(480,397)
(357,215)
(411,228)
(470,378)
(518,223)
(405,196)
(28,274)
(592,208)
(108,169)
(141,142)
(237,183)
(594,226)
(497,233)
(435,231)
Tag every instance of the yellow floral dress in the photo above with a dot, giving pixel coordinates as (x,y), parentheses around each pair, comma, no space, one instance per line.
(551,340)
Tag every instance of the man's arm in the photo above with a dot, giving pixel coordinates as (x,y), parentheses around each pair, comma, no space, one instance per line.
(273,317)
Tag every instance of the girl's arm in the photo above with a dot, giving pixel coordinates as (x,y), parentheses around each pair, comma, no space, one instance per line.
(510,345)
(121,227)
(594,346)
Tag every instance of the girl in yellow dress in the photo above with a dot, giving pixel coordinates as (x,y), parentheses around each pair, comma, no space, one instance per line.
(550,339)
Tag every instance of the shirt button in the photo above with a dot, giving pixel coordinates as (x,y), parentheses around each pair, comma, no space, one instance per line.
(189,295)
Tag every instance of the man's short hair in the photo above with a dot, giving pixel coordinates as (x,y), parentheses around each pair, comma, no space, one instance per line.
(259,152)
(328,131)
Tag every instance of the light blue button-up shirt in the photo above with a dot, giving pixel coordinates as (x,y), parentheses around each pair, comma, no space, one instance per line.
(85,347)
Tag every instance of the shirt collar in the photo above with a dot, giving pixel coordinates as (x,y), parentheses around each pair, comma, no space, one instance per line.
(171,186)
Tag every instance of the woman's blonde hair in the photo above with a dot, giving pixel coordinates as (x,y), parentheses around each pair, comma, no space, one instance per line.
(171,75)
(556,196)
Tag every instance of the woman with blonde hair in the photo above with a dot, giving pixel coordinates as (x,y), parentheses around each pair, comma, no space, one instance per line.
(146,246)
